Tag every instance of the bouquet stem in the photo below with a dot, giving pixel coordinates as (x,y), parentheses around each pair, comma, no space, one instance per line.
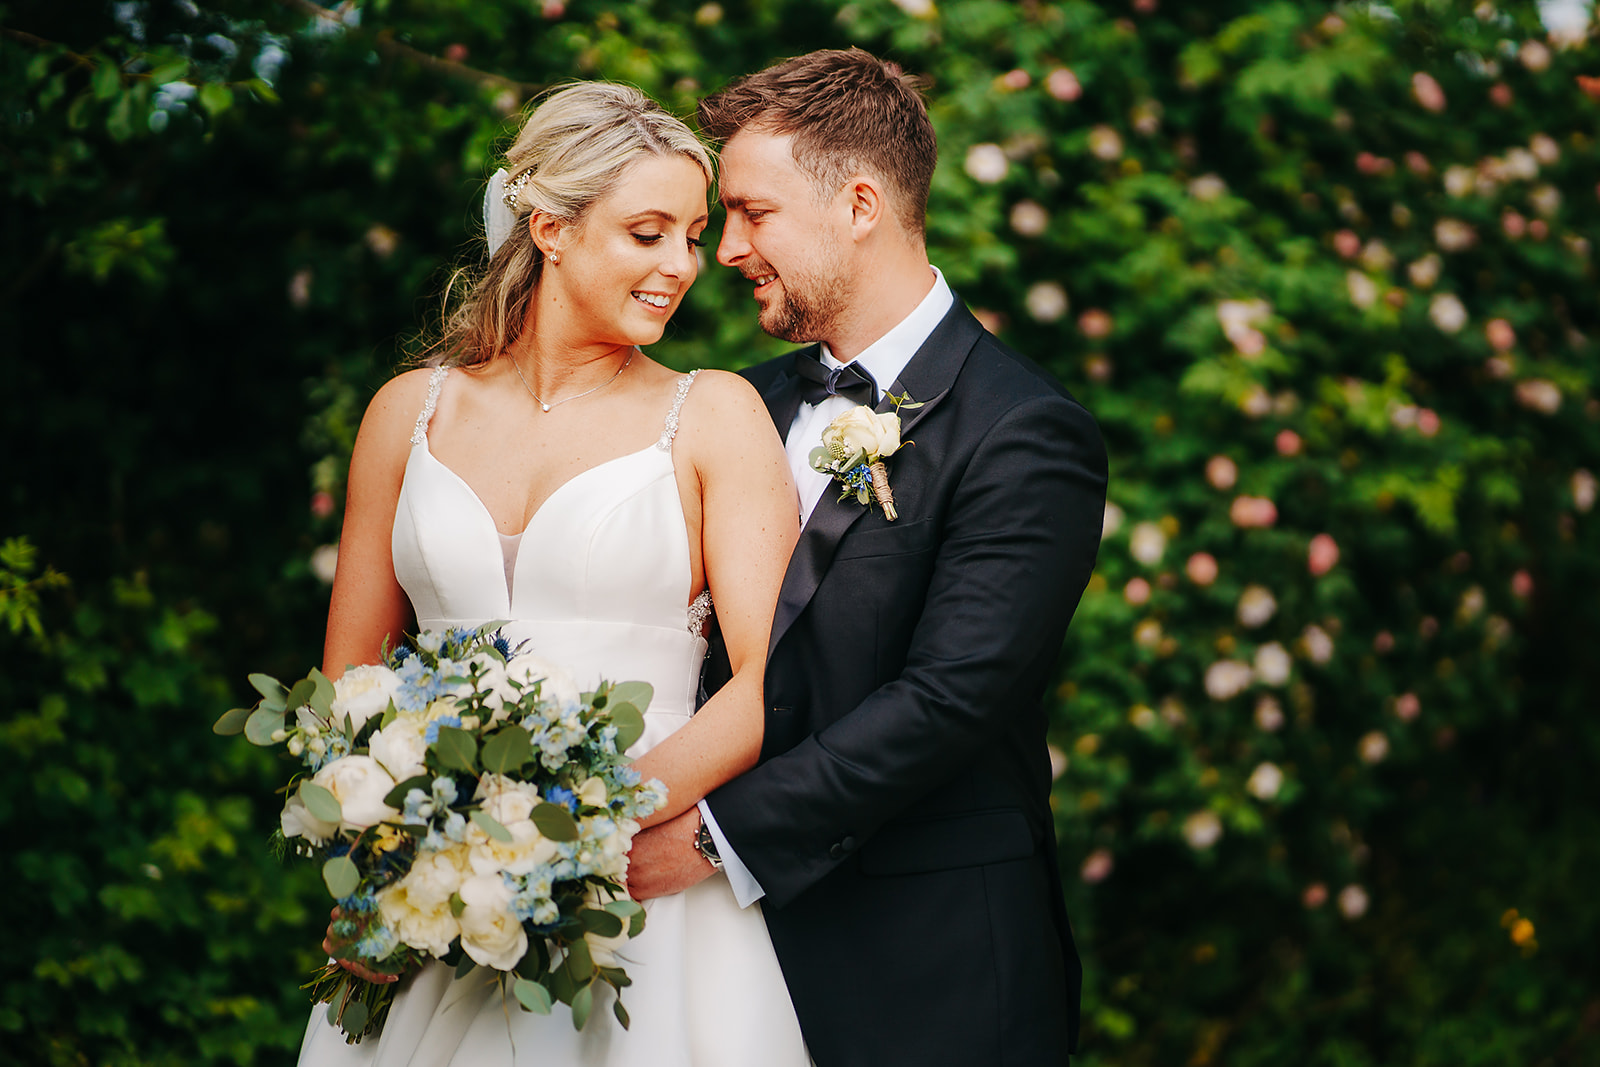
(881,491)
(355,1005)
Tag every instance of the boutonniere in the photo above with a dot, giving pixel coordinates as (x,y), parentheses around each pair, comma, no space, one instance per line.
(853,449)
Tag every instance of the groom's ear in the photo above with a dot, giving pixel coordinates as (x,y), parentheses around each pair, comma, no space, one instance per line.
(864,195)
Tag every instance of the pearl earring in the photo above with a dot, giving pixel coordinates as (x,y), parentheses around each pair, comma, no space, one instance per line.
(555,257)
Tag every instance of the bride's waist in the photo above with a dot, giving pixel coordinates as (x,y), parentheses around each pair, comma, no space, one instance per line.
(596,650)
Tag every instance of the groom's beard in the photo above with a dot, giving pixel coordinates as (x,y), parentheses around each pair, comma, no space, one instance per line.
(807,307)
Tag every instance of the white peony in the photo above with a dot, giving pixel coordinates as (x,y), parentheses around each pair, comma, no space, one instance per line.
(490,933)
(359,784)
(400,746)
(862,430)
(508,802)
(417,907)
(363,692)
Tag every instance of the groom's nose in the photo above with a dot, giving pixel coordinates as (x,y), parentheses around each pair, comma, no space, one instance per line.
(735,243)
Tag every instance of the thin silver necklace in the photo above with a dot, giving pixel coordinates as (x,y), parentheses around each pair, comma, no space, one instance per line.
(578,396)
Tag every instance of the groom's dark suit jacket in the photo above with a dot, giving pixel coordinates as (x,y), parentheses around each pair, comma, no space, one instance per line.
(899,819)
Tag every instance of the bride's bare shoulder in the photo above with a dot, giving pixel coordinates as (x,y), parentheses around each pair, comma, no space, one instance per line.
(393,411)
(724,412)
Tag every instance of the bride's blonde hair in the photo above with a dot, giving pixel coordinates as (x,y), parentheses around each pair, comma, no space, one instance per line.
(570,153)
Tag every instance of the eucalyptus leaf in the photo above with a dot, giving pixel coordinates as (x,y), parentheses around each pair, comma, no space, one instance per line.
(322,693)
(582,1005)
(457,749)
(620,1012)
(232,722)
(320,802)
(631,911)
(532,996)
(562,987)
(639,694)
(579,962)
(341,877)
(555,822)
(261,725)
(466,966)
(457,905)
(271,690)
(396,797)
(629,722)
(491,826)
(354,1019)
(506,750)
(300,693)
(601,923)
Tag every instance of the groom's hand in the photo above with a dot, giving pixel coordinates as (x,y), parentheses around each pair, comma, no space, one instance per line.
(663,859)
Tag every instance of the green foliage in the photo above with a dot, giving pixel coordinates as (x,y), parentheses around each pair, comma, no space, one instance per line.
(1331,265)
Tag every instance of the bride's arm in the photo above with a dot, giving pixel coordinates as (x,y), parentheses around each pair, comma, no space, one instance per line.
(368,604)
(749,525)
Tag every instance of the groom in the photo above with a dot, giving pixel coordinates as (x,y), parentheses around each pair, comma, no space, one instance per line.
(898,828)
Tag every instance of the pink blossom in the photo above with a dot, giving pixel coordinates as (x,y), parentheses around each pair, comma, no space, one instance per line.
(1453,235)
(1202,568)
(1202,830)
(1095,323)
(456,52)
(322,504)
(1287,443)
(1427,422)
(1383,643)
(1253,512)
(1346,243)
(1539,394)
(1544,148)
(1427,91)
(1145,7)
(1538,229)
(1136,592)
(1097,866)
(1322,555)
(1269,713)
(1407,706)
(1418,164)
(553,9)
(1016,79)
(1500,95)
(1513,224)
(1535,55)
(1227,678)
(1062,84)
(1500,334)
(1098,368)
(1584,490)
(1221,472)
(1314,896)
(1522,584)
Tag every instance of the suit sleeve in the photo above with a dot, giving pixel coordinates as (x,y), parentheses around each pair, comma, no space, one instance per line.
(1019,544)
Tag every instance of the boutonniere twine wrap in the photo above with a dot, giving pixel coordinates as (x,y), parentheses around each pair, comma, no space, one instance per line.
(853,449)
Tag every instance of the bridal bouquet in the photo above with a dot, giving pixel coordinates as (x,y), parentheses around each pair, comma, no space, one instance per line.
(468,804)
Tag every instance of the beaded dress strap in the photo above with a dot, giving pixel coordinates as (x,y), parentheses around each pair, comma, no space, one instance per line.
(419,435)
(671,430)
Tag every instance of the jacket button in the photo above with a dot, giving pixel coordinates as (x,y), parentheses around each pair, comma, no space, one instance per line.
(840,849)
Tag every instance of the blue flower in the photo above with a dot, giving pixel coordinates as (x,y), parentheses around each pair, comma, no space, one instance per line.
(502,645)
(399,655)
(557,795)
(419,686)
(432,733)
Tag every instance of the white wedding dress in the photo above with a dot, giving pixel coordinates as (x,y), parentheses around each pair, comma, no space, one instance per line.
(598,584)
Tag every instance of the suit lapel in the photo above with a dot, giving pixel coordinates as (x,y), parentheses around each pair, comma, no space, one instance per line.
(929,374)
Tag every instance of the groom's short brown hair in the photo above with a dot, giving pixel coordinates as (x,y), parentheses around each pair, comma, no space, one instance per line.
(847,111)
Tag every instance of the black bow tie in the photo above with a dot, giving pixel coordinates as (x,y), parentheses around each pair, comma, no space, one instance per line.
(817,382)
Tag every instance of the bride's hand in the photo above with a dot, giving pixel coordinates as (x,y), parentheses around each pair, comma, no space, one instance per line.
(331,944)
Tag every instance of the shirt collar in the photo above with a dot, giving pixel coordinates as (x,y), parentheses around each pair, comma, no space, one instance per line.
(886,357)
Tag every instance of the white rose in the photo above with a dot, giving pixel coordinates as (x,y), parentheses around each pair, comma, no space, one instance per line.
(490,933)
(506,801)
(400,746)
(359,784)
(862,430)
(527,849)
(593,792)
(417,907)
(297,821)
(363,692)
(555,684)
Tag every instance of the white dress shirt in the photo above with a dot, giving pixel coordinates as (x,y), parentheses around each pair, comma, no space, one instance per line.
(884,359)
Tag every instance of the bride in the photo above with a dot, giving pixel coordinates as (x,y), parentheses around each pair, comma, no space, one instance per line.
(549,473)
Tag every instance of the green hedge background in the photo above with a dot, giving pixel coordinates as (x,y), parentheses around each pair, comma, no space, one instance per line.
(1324,273)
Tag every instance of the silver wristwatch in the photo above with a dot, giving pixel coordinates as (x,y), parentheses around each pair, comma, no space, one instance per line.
(706,845)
